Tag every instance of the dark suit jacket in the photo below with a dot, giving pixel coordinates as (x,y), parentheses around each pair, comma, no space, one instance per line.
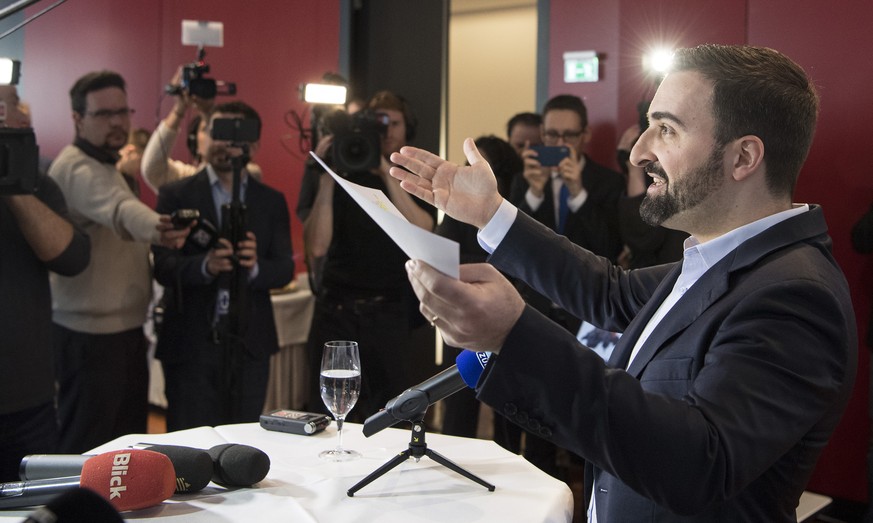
(593,226)
(730,401)
(188,318)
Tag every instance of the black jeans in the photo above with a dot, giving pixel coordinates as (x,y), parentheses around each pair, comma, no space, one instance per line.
(30,431)
(104,381)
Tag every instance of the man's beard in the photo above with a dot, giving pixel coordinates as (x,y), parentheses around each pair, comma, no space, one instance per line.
(685,194)
(116,147)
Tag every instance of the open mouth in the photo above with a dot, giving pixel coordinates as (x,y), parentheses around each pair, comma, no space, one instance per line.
(657,181)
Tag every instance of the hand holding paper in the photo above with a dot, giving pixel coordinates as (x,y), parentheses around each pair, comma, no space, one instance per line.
(417,243)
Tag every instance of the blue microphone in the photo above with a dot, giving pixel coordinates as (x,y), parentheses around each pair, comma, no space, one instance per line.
(413,402)
(471,364)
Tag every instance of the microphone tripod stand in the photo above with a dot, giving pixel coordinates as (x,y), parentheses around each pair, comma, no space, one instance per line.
(233,292)
(417,448)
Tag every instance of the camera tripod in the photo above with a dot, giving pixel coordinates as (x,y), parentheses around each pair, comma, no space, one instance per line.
(417,449)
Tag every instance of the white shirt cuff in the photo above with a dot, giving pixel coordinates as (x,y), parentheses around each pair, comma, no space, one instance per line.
(492,234)
(532,201)
(576,202)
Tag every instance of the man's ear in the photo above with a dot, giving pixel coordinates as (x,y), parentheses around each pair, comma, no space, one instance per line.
(77,121)
(585,138)
(748,156)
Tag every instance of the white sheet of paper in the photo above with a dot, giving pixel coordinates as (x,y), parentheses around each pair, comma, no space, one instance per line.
(441,253)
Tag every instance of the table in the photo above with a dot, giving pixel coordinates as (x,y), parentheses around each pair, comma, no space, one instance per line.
(302,488)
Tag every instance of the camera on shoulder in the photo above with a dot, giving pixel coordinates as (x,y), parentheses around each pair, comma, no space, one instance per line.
(19,161)
(357,139)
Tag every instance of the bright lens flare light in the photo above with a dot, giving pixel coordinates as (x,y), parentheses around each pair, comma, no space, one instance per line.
(325,94)
(658,61)
(9,71)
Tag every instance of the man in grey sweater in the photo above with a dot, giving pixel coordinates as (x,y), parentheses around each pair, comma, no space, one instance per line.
(100,349)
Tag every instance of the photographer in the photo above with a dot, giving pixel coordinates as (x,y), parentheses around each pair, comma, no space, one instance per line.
(364,294)
(35,238)
(157,166)
(214,374)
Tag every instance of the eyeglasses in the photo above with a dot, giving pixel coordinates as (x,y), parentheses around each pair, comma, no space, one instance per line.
(567,136)
(106,114)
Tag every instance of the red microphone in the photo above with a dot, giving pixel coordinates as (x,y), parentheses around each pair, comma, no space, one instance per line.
(128,479)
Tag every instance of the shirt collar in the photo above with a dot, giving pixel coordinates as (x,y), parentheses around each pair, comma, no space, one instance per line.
(714,250)
(213,177)
(99,154)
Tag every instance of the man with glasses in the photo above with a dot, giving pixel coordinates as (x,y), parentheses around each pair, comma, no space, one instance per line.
(100,349)
(577,198)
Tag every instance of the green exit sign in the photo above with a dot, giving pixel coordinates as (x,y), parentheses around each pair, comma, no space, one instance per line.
(581,66)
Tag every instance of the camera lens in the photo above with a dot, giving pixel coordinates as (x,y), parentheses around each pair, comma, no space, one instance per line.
(356,151)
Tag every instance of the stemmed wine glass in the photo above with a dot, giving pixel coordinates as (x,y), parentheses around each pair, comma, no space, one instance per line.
(340,386)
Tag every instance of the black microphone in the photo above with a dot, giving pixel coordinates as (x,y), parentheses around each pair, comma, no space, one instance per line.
(193,467)
(413,402)
(237,465)
(74,506)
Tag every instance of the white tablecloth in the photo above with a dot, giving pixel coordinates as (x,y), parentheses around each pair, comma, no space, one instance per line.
(302,488)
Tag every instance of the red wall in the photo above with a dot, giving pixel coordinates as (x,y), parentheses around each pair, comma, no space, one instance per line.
(270,47)
(833,43)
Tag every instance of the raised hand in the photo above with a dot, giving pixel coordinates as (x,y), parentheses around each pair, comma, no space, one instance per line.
(466,193)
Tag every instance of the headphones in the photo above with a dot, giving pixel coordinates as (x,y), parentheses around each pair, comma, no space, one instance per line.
(394,98)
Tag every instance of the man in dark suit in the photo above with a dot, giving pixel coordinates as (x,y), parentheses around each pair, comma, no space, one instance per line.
(216,358)
(590,190)
(735,364)
(578,198)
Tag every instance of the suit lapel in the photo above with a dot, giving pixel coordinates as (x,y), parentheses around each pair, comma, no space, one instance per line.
(710,287)
(204,201)
(625,345)
(547,209)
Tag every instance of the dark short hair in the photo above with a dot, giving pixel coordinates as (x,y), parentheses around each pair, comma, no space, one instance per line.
(94,81)
(503,159)
(234,107)
(761,92)
(529,119)
(568,102)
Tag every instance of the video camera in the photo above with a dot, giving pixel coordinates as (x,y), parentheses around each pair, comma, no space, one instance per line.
(19,161)
(201,33)
(195,83)
(357,139)
(236,130)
